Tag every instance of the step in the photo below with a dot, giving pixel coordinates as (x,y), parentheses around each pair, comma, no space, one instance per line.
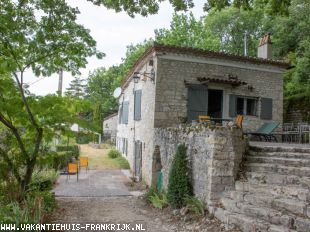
(282,161)
(277,179)
(288,191)
(290,206)
(291,155)
(293,148)
(262,213)
(279,169)
(240,221)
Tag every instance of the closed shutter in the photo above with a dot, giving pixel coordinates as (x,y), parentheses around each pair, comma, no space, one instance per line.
(232,105)
(266,108)
(137,106)
(125,112)
(197,103)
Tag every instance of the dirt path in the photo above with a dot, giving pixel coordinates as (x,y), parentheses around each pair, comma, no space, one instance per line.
(124,209)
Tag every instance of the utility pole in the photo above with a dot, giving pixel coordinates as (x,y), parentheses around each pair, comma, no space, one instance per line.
(60,82)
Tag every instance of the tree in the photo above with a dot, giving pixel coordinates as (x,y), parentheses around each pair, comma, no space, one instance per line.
(179,185)
(77,88)
(45,44)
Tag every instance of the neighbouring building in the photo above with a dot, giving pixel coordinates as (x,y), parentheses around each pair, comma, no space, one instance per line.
(170,85)
(110,127)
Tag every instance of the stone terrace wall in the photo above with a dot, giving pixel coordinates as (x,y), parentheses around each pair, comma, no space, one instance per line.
(214,153)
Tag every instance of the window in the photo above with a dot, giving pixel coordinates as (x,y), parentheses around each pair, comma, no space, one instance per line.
(246,106)
(123,113)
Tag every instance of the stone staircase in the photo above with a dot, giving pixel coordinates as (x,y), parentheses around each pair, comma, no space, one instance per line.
(276,195)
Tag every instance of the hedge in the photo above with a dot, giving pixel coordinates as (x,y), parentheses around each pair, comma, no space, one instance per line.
(73,148)
(56,160)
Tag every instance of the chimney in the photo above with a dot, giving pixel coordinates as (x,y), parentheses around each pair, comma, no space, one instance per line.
(264,49)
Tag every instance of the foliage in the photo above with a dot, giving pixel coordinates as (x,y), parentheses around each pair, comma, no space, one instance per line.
(74,148)
(113,153)
(85,137)
(195,205)
(179,185)
(158,199)
(55,160)
(43,179)
(76,88)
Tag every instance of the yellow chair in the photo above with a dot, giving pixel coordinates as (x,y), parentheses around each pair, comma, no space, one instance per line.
(239,121)
(204,118)
(73,169)
(84,162)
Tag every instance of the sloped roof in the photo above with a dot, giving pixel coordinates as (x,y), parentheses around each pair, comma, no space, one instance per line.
(203,53)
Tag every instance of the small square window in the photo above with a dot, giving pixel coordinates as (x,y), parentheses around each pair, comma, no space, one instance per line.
(251,107)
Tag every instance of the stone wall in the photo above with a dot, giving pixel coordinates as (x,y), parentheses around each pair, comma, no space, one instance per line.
(214,153)
(171,92)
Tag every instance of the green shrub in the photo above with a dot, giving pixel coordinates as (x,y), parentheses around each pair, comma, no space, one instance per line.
(73,148)
(56,160)
(85,138)
(43,179)
(179,185)
(123,163)
(195,205)
(113,153)
(159,200)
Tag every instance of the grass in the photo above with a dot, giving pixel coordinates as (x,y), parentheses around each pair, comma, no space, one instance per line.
(98,159)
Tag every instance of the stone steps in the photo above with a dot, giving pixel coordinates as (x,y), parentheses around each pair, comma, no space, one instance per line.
(277,179)
(279,169)
(289,155)
(293,162)
(276,195)
(294,192)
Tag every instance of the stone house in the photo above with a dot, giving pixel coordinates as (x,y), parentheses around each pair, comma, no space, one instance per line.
(110,127)
(170,85)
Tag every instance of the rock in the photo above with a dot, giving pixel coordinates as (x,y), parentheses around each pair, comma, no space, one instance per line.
(175,212)
(184,211)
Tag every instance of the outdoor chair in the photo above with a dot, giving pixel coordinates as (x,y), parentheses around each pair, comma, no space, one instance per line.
(83,163)
(204,119)
(73,169)
(239,121)
(265,132)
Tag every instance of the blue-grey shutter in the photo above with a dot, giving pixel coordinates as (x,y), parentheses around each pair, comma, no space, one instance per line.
(125,112)
(197,103)
(120,114)
(232,105)
(266,108)
(137,106)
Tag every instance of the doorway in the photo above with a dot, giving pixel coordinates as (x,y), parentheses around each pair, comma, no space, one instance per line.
(215,103)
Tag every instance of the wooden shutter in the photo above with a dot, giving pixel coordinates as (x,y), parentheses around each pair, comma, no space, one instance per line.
(137,106)
(266,108)
(125,112)
(197,103)
(232,105)
(120,114)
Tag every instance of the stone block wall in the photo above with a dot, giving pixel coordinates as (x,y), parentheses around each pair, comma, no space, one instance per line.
(214,153)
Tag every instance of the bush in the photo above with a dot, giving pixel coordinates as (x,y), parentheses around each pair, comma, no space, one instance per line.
(195,205)
(113,153)
(85,138)
(156,199)
(179,185)
(73,148)
(123,163)
(43,180)
(55,160)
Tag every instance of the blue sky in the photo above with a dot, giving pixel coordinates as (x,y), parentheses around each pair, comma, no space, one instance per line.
(113,32)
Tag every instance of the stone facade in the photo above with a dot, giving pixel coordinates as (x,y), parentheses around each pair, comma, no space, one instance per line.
(110,127)
(164,102)
(214,154)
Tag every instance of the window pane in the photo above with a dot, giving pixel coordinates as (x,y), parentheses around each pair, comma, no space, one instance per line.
(251,107)
(240,105)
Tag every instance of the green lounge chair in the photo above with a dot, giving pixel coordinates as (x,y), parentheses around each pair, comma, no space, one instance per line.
(265,132)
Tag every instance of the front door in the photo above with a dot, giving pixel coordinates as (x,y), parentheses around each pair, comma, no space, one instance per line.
(138,160)
(215,103)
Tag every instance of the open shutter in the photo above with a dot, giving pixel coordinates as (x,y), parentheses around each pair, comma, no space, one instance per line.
(120,114)
(197,103)
(125,112)
(232,105)
(266,108)
(137,106)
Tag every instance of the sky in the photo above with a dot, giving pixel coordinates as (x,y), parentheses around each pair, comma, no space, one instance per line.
(113,32)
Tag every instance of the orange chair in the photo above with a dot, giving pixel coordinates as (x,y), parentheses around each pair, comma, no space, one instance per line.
(73,169)
(204,118)
(239,121)
(84,162)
